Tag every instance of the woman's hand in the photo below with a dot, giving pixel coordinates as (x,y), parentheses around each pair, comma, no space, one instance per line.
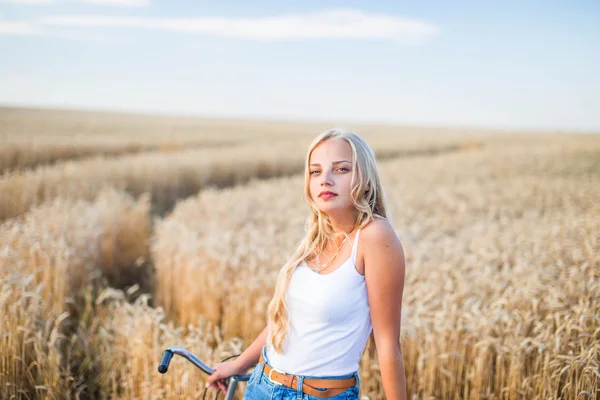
(222,372)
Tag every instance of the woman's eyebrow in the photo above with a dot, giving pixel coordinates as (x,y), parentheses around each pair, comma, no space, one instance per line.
(333,163)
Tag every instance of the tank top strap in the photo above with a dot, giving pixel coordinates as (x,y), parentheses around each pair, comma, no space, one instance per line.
(355,246)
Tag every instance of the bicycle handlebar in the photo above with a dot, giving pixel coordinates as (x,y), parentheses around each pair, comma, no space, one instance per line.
(163,366)
(165,361)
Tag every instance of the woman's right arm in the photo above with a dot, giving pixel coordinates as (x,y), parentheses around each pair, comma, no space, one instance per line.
(239,366)
(249,357)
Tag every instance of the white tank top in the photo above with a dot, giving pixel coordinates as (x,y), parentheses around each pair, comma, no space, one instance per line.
(330,321)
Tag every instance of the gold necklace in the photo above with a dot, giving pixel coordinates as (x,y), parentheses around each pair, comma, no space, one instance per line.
(325,266)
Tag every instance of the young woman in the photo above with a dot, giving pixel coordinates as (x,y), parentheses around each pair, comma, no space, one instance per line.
(335,290)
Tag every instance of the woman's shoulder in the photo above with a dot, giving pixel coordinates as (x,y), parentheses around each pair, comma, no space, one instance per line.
(377,227)
(381,245)
(377,232)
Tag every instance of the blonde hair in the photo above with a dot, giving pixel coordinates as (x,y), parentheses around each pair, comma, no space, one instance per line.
(368,198)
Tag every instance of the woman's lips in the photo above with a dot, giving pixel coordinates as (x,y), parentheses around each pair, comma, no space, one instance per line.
(328,195)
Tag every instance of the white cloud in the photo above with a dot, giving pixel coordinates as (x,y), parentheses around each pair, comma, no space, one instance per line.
(28,1)
(343,23)
(18,28)
(118,3)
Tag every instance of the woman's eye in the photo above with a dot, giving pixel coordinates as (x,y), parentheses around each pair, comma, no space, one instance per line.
(316,171)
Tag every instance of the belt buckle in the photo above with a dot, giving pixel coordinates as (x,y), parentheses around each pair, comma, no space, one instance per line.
(275,382)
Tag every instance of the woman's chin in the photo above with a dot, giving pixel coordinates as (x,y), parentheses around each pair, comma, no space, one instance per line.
(330,209)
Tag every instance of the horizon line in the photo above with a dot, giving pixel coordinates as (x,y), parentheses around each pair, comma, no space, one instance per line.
(283,119)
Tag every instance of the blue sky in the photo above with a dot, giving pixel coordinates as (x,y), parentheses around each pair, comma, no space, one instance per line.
(512,64)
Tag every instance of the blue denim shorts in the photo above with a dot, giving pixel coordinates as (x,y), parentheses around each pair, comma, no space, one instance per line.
(260,387)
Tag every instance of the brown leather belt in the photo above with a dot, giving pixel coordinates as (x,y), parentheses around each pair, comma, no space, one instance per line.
(333,386)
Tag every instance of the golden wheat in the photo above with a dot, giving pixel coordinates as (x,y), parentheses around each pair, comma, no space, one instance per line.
(33,137)
(500,235)
(168,177)
(487,234)
(50,261)
(36,137)
(134,335)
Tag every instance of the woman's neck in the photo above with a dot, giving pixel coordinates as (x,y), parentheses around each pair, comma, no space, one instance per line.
(343,223)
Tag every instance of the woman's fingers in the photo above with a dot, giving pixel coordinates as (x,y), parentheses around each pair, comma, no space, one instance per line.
(216,382)
(212,379)
(218,379)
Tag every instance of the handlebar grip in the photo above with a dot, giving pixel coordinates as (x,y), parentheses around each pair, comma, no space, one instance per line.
(164,362)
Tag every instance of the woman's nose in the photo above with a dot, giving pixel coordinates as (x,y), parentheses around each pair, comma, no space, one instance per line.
(326,179)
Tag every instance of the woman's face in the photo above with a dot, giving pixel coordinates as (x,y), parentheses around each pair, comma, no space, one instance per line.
(330,168)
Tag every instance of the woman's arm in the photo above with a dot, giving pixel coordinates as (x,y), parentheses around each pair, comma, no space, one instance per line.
(239,366)
(249,357)
(384,276)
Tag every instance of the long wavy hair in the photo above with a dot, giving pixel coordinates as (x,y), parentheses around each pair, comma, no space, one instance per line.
(368,198)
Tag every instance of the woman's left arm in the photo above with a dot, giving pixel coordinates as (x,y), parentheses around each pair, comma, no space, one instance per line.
(384,276)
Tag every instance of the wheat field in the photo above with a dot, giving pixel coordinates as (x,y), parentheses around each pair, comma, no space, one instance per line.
(123,235)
